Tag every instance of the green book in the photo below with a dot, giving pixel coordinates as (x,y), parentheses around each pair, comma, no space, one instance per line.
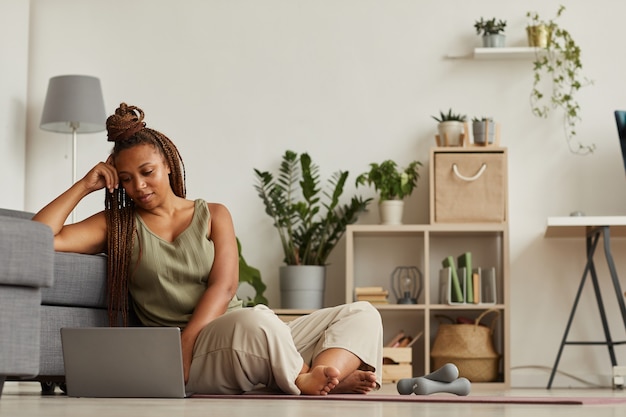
(465,261)
(456,292)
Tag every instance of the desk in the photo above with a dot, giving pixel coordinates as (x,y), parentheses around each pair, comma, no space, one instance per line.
(591,228)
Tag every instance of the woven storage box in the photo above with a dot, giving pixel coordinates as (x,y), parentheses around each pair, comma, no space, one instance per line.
(468,346)
(469,187)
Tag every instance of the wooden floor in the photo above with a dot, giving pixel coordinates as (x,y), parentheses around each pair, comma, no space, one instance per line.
(24,399)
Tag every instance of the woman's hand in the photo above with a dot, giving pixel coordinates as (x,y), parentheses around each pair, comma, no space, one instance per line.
(103,175)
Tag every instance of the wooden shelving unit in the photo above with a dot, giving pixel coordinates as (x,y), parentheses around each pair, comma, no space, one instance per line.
(374,251)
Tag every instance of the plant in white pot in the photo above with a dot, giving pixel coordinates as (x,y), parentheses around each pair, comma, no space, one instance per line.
(393,185)
(310,221)
(491,32)
(451,128)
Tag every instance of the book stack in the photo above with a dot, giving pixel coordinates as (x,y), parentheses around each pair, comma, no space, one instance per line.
(462,284)
(375,295)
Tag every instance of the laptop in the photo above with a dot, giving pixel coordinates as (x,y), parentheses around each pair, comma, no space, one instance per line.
(112,362)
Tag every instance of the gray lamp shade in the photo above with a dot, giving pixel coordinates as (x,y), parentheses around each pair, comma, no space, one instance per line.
(74,101)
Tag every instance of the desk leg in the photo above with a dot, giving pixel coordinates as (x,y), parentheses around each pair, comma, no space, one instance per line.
(613,271)
(605,322)
(591,248)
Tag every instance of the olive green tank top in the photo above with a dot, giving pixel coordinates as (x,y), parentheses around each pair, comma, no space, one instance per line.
(169,278)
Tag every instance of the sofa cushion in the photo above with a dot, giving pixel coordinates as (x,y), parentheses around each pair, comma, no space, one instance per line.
(79,281)
(26,253)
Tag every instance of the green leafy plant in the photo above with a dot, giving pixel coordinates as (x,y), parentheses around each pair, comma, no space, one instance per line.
(489,27)
(450,116)
(559,65)
(310,221)
(251,276)
(391,182)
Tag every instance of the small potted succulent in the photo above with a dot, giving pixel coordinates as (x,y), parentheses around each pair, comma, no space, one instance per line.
(393,184)
(491,32)
(451,128)
(483,130)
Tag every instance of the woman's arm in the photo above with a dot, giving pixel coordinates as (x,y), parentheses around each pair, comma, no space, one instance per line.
(87,236)
(222,283)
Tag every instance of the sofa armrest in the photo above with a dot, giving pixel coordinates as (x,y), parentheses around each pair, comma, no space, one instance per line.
(26,253)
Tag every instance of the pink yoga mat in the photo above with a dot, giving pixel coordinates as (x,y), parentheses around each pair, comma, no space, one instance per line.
(428,398)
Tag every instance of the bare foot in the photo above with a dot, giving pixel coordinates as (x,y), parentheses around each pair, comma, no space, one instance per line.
(318,381)
(358,382)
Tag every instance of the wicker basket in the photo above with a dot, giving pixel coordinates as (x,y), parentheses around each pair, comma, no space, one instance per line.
(468,346)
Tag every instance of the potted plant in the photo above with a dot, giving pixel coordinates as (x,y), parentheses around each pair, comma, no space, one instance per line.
(557,69)
(310,221)
(483,130)
(537,31)
(490,31)
(392,184)
(451,128)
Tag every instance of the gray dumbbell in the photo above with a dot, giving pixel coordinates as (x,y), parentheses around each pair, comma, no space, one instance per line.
(425,386)
(447,373)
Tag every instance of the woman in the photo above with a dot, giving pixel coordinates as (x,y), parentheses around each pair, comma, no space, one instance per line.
(178,261)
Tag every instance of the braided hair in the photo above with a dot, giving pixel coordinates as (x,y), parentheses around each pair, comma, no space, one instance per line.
(127,129)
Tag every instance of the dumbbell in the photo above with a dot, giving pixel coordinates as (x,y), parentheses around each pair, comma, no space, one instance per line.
(444,379)
(447,373)
(425,386)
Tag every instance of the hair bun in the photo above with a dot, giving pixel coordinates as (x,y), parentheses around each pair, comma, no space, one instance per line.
(126,121)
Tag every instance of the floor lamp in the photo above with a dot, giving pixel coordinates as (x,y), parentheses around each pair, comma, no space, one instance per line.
(74,104)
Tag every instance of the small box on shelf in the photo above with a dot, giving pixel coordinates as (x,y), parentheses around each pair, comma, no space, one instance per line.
(398,357)
(397,363)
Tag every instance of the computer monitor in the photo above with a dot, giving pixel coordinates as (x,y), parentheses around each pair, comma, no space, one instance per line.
(620,118)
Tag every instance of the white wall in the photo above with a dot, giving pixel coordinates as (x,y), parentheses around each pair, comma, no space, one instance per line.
(235,83)
(13,83)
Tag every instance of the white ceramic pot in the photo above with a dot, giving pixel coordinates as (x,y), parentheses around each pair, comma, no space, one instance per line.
(451,133)
(391,211)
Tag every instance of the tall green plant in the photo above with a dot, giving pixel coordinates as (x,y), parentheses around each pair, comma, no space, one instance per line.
(310,221)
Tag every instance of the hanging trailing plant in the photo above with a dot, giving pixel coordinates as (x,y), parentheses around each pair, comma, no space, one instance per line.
(558,67)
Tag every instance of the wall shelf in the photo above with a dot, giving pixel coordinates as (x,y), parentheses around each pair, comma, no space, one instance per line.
(510,53)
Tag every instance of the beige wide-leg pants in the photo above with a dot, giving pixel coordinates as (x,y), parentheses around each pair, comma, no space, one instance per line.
(251,348)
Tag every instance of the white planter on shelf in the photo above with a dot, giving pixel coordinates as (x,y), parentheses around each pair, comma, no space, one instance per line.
(391,211)
(451,133)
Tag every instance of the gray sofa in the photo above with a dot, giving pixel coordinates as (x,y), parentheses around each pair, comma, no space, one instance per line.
(42,291)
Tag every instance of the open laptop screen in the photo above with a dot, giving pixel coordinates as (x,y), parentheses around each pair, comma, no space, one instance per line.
(620,118)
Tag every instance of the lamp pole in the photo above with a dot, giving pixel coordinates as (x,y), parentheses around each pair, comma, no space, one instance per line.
(74,126)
